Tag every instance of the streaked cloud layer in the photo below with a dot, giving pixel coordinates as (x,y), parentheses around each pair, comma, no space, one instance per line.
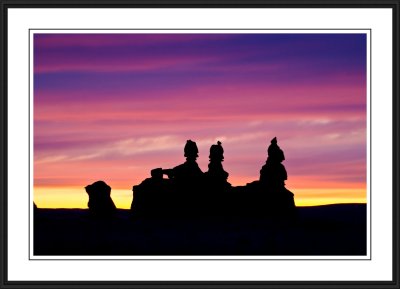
(114,106)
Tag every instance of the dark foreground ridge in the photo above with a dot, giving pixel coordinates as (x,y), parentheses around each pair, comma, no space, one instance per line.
(332,230)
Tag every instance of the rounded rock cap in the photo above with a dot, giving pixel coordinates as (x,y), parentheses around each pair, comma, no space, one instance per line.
(191,149)
(217,151)
(274,151)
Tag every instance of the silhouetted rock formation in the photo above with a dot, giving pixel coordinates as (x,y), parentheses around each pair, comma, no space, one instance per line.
(269,195)
(190,192)
(100,203)
(273,176)
(216,173)
(178,195)
(217,190)
(153,196)
(189,171)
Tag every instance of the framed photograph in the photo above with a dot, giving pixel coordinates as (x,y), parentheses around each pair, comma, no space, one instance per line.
(183,145)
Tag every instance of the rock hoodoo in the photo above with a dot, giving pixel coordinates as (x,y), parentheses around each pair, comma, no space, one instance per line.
(100,203)
(189,191)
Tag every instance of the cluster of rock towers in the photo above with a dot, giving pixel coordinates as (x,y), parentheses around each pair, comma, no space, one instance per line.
(187,191)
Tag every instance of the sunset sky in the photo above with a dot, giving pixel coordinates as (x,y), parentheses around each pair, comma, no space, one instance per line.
(114,106)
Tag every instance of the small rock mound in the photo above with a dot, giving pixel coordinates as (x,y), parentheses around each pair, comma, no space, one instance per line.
(100,203)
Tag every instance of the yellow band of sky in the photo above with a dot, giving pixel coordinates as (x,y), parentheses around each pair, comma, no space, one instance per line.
(76,197)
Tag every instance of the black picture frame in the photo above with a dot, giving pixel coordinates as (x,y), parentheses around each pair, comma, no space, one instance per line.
(5,5)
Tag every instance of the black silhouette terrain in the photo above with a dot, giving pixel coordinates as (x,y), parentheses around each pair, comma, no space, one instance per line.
(196,213)
(190,192)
